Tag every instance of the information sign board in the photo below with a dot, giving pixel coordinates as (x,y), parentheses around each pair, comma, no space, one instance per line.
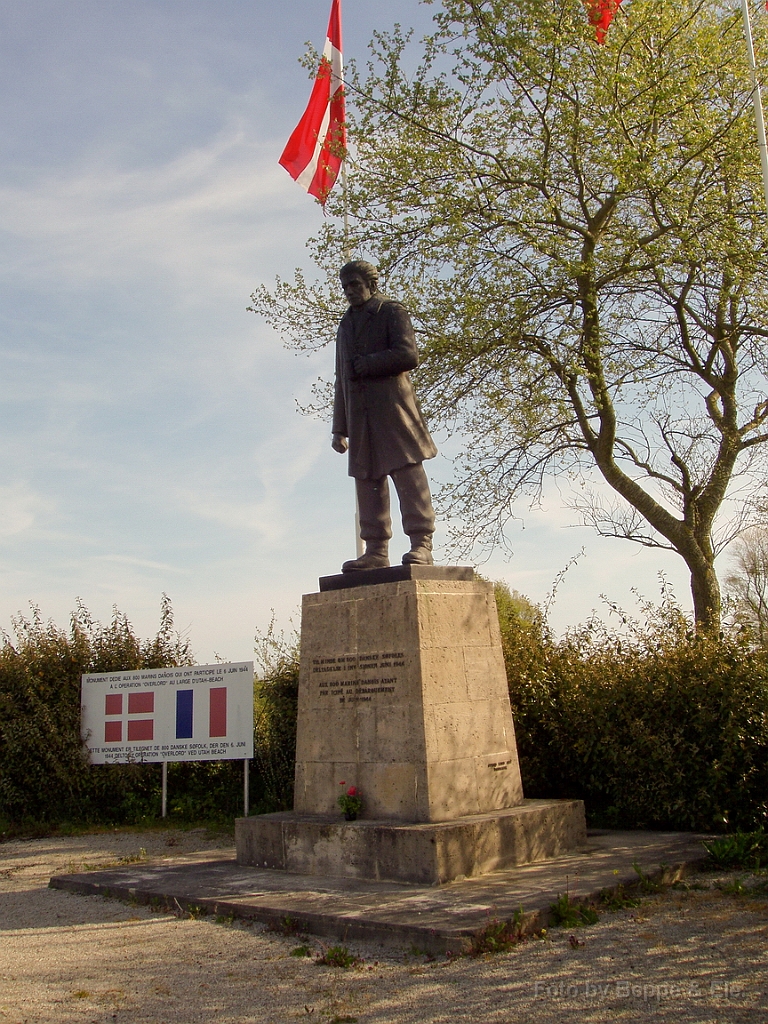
(189,713)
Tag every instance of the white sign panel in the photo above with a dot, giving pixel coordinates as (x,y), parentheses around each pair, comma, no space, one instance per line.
(190,713)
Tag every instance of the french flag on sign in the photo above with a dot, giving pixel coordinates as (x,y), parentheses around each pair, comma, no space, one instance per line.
(217,712)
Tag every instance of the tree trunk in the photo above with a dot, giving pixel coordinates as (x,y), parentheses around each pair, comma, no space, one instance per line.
(706,595)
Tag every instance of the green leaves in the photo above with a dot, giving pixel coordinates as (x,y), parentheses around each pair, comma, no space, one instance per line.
(739,850)
(656,728)
(276,694)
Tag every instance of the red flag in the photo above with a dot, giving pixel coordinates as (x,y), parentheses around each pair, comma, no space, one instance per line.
(317,146)
(601,14)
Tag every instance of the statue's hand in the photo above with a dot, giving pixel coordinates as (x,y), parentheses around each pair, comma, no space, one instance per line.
(358,365)
(339,443)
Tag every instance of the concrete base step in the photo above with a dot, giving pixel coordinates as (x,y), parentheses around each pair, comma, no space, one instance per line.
(428,853)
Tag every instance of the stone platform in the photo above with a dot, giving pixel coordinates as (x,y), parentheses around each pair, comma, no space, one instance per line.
(403,695)
(427,853)
(434,919)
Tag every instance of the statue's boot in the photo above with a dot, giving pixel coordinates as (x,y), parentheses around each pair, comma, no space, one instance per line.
(376,557)
(421,550)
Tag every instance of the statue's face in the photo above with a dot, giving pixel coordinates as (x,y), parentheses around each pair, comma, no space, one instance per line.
(356,289)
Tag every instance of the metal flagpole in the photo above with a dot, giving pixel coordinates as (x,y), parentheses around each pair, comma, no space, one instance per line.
(347,248)
(359,546)
(756,98)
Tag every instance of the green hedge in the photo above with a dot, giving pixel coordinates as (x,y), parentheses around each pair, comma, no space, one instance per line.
(45,777)
(275,706)
(657,728)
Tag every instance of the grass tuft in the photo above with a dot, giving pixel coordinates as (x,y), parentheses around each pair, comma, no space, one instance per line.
(739,850)
(567,914)
(497,936)
(338,956)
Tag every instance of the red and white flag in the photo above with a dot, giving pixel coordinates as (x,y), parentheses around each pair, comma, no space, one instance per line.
(601,14)
(315,150)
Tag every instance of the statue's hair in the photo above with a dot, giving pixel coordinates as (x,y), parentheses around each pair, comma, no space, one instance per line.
(366,270)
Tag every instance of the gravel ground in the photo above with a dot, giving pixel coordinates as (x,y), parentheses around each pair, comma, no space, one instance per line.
(697,955)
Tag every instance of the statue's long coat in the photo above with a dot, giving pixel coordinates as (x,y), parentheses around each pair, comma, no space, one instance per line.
(377,409)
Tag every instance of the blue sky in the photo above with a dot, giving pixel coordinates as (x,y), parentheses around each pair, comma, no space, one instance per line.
(149,440)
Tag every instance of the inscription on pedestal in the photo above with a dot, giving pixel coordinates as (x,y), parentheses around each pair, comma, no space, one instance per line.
(343,678)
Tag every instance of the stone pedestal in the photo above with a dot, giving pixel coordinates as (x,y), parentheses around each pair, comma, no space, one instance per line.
(403,694)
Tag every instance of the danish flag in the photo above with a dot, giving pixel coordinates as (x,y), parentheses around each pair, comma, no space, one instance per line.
(138,728)
(316,149)
(601,14)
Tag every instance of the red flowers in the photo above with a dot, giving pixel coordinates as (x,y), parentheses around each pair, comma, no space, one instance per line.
(351,802)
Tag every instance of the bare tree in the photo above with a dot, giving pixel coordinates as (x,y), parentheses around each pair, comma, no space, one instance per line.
(747,582)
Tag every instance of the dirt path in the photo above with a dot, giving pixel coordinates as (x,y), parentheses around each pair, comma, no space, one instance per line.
(692,957)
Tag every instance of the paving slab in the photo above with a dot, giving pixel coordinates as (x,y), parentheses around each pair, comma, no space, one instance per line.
(435,919)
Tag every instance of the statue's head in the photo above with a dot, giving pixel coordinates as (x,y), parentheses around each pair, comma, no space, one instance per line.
(363,269)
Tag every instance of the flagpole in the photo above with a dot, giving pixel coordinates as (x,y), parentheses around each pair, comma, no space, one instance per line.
(347,247)
(313,155)
(756,98)
(359,545)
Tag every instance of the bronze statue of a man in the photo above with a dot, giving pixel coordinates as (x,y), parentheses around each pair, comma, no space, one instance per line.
(376,417)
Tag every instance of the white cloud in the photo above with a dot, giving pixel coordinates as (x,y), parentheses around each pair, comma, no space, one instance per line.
(20,509)
(199,217)
(138,563)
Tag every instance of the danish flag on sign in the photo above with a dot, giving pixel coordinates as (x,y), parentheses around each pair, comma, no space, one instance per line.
(137,726)
(315,150)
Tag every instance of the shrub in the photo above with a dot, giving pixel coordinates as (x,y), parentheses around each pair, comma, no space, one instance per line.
(44,772)
(497,936)
(659,727)
(564,913)
(740,850)
(338,956)
(276,693)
